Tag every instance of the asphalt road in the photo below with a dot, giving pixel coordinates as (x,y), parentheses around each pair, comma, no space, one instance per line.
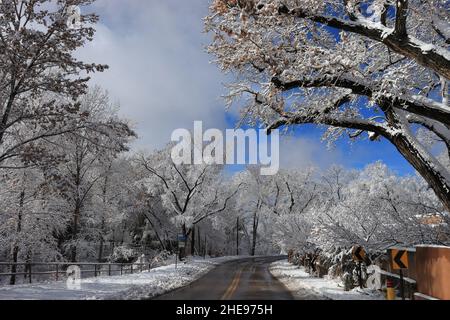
(246,279)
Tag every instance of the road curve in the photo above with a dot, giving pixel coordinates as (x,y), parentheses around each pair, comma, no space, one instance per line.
(244,279)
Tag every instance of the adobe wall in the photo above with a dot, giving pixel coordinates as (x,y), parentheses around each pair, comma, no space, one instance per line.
(433,271)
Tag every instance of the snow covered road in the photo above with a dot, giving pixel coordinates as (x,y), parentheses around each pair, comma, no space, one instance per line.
(158,281)
(244,279)
(138,286)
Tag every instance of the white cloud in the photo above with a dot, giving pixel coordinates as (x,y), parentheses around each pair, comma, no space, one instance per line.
(299,152)
(159,71)
(161,75)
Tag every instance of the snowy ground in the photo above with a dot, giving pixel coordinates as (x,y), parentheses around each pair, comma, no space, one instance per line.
(138,286)
(304,286)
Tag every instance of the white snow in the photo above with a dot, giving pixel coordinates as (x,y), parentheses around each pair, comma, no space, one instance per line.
(442,26)
(385,32)
(424,296)
(297,280)
(432,246)
(137,286)
(393,275)
(426,47)
(427,102)
(376,25)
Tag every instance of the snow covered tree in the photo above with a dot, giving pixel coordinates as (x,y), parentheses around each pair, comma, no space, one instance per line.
(274,209)
(88,159)
(110,197)
(40,78)
(189,193)
(378,67)
(294,211)
(142,208)
(29,218)
(249,204)
(308,211)
(377,209)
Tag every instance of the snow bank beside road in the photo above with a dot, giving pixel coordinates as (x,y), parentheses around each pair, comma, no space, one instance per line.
(299,282)
(137,286)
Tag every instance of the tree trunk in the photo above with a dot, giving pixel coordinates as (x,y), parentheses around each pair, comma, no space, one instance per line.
(100,251)
(76,218)
(161,242)
(28,267)
(103,223)
(254,232)
(15,251)
(237,236)
(76,211)
(412,150)
(102,239)
(424,165)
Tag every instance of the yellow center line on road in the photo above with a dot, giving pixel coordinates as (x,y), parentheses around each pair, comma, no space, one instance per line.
(233,286)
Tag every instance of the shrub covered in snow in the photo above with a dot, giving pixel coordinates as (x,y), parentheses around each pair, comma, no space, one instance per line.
(123,254)
(161,258)
(334,262)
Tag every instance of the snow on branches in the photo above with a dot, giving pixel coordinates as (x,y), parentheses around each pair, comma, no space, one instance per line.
(380,67)
(40,77)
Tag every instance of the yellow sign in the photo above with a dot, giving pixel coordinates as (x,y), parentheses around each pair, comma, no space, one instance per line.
(359,254)
(399,259)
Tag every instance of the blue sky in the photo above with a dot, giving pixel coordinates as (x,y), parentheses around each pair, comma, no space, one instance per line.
(163,80)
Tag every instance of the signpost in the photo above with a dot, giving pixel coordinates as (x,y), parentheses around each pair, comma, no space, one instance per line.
(399,261)
(181,244)
(182,238)
(359,255)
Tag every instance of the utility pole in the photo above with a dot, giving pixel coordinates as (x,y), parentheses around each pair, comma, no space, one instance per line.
(176,255)
(193,242)
(206,248)
(199,239)
(237,236)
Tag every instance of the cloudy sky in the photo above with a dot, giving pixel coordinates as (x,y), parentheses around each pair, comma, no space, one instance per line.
(163,79)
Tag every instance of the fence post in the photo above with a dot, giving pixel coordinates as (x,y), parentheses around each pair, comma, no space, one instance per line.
(57,269)
(30,273)
(109,269)
(131,268)
(121,269)
(95,270)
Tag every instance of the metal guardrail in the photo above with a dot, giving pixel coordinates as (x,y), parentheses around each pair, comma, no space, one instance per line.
(396,276)
(58,269)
